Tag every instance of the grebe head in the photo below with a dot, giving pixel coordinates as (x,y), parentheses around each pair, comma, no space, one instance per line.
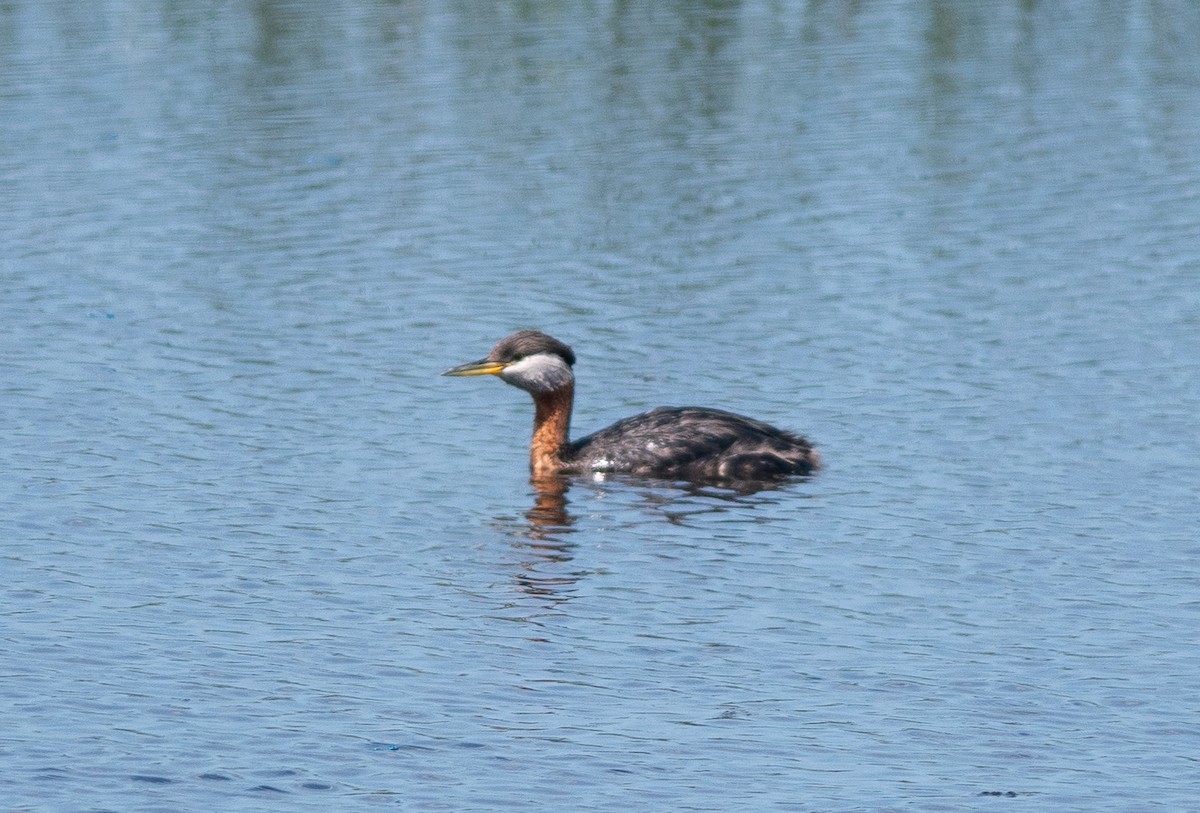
(530,360)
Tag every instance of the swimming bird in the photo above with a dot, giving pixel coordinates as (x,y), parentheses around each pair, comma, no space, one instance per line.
(684,443)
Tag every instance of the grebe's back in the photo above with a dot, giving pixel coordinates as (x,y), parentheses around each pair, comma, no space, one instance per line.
(689,443)
(694,443)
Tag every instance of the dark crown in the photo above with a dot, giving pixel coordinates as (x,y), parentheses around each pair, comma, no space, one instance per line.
(530,343)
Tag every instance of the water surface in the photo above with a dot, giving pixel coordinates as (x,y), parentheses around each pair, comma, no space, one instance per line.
(258,556)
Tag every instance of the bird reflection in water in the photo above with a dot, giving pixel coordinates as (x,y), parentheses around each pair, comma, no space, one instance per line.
(546,551)
(544,573)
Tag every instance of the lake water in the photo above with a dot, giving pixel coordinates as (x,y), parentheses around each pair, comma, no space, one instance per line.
(257,555)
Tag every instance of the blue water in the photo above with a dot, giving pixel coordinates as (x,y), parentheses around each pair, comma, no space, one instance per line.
(259,556)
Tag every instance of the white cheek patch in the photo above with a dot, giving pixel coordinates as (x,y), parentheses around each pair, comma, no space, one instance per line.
(541,372)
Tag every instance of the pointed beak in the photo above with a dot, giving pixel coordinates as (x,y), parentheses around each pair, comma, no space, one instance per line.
(482,367)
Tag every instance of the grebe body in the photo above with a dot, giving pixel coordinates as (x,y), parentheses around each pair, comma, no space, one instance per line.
(686,443)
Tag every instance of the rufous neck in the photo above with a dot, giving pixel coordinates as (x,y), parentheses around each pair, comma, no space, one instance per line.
(551,427)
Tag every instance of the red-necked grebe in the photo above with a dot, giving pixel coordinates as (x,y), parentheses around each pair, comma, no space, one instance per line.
(686,443)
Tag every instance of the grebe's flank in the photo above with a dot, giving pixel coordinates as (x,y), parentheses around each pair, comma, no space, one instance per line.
(686,443)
